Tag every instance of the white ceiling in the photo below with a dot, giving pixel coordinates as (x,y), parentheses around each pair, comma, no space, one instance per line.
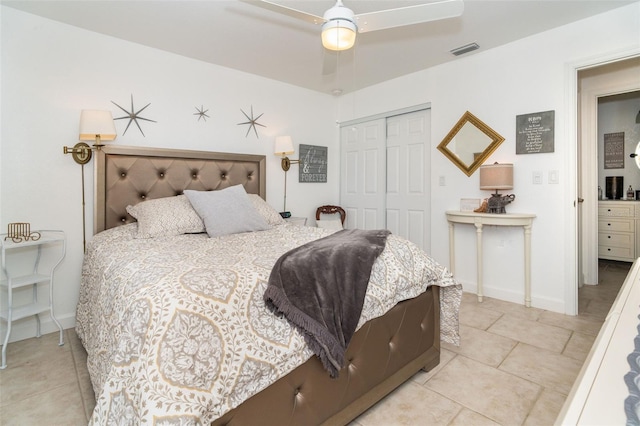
(239,35)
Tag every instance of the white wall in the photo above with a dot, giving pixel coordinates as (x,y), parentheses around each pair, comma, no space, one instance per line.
(51,71)
(523,77)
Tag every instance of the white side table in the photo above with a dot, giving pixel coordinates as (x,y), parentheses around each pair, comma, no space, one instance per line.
(524,220)
(15,282)
(300,221)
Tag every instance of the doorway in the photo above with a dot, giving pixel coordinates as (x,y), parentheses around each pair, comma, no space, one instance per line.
(594,83)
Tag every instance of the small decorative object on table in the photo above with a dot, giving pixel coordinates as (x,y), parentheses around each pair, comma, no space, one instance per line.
(21,231)
(469,204)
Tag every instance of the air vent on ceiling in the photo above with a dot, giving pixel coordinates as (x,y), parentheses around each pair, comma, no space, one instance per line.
(465,49)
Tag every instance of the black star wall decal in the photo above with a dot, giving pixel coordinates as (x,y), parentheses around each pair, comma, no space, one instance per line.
(253,122)
(133,116)
(202,113)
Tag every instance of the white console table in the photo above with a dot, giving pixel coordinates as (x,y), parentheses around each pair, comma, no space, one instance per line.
(479,220)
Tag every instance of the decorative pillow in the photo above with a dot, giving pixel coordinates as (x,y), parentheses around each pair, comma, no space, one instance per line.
(329,223)
(165,217)
(269,214)
(227,211)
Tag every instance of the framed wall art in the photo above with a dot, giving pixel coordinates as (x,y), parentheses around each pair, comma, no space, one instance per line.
(534,132)
(313,163)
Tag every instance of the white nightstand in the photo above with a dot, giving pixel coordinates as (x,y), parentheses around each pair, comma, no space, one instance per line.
(16,255)
(300,221)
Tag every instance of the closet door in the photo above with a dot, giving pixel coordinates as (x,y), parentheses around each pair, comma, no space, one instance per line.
(408,193)
(362,171)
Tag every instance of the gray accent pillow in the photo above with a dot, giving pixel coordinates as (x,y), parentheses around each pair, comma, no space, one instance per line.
(227,211)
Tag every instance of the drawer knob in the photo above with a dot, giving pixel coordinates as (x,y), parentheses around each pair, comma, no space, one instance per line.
(608,224)
(608,210)
(608,236)
(608,249)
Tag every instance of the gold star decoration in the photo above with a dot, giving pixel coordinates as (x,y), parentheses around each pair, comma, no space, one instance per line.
(253,122)
(202,113)
(133,115)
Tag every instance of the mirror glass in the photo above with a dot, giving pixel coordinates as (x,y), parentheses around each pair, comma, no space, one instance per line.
(637,155)
(469,143)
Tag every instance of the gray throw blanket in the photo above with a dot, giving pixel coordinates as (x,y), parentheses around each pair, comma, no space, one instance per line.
(320,287)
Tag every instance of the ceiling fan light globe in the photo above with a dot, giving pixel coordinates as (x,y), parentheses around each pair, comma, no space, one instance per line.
(338,35)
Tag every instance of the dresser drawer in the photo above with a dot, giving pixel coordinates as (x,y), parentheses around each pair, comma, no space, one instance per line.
(616,211)
(626,253)
(616,240)
(617,225)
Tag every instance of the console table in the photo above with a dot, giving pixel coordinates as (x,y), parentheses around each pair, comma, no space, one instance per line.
(479,220)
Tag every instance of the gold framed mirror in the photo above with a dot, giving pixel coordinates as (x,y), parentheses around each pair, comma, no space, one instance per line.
(469,143)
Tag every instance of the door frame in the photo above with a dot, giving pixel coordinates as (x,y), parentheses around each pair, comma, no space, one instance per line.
(581,173)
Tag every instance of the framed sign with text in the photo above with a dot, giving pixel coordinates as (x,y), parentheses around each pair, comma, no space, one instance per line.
(614,150)
(313,163)
(534,132)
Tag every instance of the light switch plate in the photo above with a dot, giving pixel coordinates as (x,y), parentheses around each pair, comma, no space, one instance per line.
(554,176)
(537,177)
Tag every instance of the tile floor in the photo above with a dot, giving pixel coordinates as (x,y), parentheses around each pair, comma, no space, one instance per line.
(515,366)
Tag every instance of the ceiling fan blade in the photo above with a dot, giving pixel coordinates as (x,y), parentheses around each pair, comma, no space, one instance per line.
(409,15)
(294,13)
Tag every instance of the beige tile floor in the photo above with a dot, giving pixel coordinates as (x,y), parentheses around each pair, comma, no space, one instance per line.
(515,366)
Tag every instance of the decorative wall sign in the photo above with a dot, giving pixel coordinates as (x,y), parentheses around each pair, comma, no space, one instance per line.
(253,122)
(534,132)
(133,115)
(614,150)
(202,113)
(313,163)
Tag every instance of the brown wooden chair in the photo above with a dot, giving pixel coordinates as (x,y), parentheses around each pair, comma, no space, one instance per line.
(331,210)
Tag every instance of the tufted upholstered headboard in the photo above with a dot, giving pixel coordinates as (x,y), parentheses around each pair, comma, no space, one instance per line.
(129,175)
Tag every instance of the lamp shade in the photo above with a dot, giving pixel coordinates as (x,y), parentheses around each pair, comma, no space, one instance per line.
(283,146)
(338,34)
(496,176)
(96,123)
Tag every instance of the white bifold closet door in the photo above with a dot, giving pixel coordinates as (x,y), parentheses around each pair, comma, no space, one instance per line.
(385,177)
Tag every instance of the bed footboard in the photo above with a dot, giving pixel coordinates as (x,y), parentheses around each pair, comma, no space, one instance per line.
(382,355)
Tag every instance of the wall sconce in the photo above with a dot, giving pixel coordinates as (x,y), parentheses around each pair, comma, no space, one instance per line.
(497,177)
(95,126)
(284,147)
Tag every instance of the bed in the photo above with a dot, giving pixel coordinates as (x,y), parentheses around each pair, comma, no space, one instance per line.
(175,325)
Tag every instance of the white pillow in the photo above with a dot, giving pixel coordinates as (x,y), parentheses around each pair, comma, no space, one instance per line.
(269,214)
(227,211)
(166,217)
(329,223)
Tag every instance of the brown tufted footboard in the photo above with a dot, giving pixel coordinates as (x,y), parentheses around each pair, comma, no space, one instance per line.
(383,354)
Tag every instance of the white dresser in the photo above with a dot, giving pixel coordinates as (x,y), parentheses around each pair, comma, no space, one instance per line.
(619,230)
(598,395)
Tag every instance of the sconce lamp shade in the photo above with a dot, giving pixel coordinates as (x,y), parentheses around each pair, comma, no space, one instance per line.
(97,125)
(338,34)
(283,146)
(496,176)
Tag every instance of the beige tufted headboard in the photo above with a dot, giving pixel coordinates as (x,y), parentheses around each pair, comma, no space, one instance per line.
(129,175)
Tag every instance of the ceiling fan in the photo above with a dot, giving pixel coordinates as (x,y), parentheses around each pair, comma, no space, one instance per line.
(340,25)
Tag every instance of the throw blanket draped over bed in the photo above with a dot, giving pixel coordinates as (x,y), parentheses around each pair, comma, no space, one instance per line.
(320,289)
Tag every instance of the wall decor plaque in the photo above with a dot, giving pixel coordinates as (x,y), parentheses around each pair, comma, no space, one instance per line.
(313,163)
(535,132)
(614,150)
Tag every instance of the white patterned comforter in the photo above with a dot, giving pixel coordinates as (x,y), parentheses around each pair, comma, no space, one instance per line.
(176,329)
